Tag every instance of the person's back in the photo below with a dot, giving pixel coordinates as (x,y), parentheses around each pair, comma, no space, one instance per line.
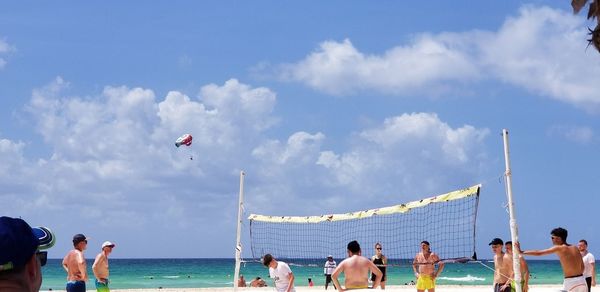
(356,271)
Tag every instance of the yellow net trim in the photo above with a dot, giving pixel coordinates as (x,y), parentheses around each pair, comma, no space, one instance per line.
(402,208)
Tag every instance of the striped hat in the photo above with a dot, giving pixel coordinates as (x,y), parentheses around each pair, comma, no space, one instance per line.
(18,242)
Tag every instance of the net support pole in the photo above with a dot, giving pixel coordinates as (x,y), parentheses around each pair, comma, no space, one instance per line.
(514,233)
(238,242)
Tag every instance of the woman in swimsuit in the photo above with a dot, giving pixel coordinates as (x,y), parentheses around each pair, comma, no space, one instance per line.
(381,262)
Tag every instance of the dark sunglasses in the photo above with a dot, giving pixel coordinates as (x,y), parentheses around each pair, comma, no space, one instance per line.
(42,256)
(379,248)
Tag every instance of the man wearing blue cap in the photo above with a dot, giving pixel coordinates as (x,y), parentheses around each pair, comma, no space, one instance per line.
(21,257)
(74,264)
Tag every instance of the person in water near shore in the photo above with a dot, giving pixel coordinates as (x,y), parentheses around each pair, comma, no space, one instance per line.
(570,260)
(356,270)
(258,282)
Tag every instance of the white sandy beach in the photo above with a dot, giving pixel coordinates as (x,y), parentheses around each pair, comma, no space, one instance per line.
(453,288)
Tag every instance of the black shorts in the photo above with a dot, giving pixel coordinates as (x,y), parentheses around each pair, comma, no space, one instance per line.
(498,286)
(382,269)
(588,281)
(327,279)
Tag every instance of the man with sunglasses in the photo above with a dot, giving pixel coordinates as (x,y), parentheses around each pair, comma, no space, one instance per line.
(74,264)
(21,257)
(570,260)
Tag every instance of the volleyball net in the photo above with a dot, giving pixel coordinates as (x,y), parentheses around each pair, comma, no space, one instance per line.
(446,221)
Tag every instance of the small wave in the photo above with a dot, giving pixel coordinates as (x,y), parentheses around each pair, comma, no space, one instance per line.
(467,278)
(171,277)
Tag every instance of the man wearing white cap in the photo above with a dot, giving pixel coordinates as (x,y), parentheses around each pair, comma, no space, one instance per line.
(100,267)
(330,266)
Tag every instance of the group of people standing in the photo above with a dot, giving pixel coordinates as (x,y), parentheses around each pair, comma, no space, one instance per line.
(23,253)
(357,268)
(577,263)
(75,266)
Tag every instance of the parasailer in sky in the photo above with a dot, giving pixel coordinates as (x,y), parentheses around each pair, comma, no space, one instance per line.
(184,140)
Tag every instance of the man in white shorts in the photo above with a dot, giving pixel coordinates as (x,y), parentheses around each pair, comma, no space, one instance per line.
(570,260)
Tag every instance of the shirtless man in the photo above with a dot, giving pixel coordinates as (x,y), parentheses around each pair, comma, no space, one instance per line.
(241,281)
(524,268)
(570,260)
(356,270)
(100,267)
(502,267)
(258,282)
(74,264)
(424,268)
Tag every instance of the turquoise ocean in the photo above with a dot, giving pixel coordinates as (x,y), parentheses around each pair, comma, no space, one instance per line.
(201,273)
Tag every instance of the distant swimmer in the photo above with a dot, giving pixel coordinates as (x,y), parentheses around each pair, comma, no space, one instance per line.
(570,260)
(424,268)
(258,282)
(241,281)
(356,270)
(381,262)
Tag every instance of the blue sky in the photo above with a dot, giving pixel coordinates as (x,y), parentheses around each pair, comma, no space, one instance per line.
(329,107)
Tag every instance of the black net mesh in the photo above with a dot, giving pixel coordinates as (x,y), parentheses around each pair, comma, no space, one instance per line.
(449,226)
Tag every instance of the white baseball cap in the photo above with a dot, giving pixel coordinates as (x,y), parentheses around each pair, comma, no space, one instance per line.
(108,243)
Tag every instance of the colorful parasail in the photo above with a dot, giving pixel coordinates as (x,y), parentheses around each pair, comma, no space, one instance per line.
(184,140)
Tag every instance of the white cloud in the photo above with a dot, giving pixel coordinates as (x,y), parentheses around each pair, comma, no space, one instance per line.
(541,49)
(581,135)
(404,157)
(412,151)
(113,163)
(339,68)
(5,48)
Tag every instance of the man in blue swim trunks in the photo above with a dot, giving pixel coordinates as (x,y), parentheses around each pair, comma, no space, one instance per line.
(74,264)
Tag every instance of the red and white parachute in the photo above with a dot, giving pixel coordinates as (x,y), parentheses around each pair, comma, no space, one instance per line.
(184,140)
